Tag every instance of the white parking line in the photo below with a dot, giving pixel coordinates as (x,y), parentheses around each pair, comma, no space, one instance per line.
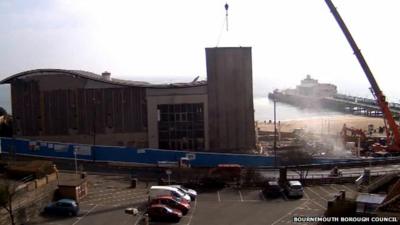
(241,196)
(307,196)
(327,192)
(219,197)
(334,188)
(315,202)
(316,193)
(349,189)
(191,215)
(139,219)
(287,214)
(87,213)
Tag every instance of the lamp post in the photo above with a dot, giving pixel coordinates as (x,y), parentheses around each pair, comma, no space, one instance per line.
(76,162)
(94,119)
(169,172)
(275,164)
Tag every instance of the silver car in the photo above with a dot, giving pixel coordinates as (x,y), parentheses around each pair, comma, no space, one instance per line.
(192,193)
(294,189)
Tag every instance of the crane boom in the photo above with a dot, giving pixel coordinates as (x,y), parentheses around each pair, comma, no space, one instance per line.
(380,97)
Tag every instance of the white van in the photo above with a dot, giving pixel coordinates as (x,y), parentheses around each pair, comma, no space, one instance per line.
(156,191)
(294,189)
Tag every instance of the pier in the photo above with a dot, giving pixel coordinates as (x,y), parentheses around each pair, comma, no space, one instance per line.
(340,103)
(363,106)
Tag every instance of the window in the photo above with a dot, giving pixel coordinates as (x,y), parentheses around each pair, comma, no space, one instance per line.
(180,126)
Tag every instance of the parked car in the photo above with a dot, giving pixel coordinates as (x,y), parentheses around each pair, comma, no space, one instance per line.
(156,191)
(159,212)
(272,189)
(63,207)
(192,193)
(172,202)
(294,188)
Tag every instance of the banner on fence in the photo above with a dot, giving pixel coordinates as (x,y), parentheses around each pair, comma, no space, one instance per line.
(83,149)
(60,148)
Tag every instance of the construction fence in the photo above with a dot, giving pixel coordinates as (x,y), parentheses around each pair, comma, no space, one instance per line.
(115,154)
(148,156)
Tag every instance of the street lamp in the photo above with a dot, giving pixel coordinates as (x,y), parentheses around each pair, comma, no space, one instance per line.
(94,119)
(275,164)
(76,162)
(169,172)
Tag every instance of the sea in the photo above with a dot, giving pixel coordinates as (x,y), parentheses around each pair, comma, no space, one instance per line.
(5,97)
(264,108)
(264,111)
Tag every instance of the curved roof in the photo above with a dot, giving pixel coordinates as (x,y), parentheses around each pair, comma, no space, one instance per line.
(97,77)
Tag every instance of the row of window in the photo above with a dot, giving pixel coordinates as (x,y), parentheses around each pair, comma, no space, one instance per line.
(180,117)
(180,126)
(177,108)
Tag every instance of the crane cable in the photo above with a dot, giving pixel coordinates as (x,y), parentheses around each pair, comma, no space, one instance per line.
(224,23)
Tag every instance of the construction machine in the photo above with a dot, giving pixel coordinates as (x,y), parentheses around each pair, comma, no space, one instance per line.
(392,132)
(365,142)
(353,135)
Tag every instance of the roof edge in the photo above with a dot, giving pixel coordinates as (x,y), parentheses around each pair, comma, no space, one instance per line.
(97,77)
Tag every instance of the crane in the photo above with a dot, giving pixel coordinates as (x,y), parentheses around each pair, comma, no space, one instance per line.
(392,134)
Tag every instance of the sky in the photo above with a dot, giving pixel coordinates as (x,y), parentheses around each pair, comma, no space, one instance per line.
(164,41)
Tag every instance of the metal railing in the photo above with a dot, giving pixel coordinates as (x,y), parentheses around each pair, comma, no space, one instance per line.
(343,175)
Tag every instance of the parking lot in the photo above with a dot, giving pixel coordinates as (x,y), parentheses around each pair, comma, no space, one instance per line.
(110,195)
(232,206)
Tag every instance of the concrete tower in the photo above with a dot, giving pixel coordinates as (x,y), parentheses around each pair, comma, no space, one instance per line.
(230,99)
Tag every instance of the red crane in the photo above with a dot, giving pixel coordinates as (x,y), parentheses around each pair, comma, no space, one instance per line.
(392,134)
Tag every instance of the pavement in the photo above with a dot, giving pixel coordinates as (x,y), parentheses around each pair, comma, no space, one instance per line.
(109,195)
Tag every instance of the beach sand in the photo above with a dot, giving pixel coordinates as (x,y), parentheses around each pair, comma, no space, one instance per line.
(323,124)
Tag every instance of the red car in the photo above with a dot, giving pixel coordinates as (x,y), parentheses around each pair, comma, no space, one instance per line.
(172,202)
(163,213)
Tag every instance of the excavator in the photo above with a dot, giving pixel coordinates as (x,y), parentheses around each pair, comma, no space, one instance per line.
(354,134)
(392,146)
(366,142)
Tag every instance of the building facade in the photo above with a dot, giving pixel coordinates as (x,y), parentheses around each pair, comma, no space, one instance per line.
(83,107)
(311,87)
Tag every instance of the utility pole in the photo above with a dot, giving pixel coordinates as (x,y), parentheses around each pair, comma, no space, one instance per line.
(94,119)
(275,163)
(76,161)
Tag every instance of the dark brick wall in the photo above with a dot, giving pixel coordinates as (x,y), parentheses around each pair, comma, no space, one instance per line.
(76,108)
